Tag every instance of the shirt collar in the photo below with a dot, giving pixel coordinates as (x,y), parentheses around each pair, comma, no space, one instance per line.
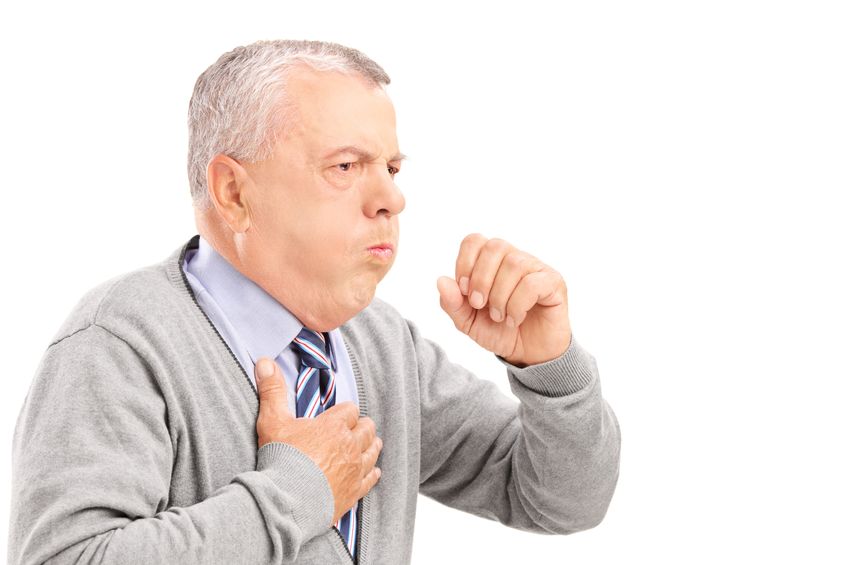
(265,326)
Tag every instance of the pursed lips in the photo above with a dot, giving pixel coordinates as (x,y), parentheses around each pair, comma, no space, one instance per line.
(382,251)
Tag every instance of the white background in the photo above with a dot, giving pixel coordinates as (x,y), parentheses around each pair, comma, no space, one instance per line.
(682,164)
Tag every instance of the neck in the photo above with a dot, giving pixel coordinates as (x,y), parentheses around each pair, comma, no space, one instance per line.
(309,303)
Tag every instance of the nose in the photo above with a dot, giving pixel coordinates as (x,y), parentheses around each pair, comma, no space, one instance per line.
(382,196)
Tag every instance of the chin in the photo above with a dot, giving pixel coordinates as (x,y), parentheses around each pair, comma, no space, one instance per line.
(362,298)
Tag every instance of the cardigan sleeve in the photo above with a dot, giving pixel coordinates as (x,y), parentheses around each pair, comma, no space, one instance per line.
(548,463)
(91,468)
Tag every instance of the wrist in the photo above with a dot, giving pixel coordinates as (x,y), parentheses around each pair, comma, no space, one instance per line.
(523,361)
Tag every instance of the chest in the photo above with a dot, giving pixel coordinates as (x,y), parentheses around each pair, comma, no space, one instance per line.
(212,411)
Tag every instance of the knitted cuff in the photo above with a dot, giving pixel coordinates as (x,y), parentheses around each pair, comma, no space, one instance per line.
(302,483)
(569,373)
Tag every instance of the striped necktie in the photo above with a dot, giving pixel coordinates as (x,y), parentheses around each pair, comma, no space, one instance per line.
(316,391)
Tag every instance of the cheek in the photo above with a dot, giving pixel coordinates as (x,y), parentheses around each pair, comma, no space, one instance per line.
(329,229)
(327,248)
(339,235)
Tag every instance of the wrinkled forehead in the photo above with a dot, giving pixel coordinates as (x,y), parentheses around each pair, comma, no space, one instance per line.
(332,109)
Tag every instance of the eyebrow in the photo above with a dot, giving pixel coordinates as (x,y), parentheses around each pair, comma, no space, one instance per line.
(361,153)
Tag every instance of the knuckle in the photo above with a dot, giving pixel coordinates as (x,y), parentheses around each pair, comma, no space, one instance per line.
(354,447)
(336,425)
(537,283)
(271,388)
(473,238)
(352,410)
(516,261)
(497,244)
(367,483)
(340,419)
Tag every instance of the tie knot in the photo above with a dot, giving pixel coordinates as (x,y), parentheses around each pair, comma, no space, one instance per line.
(313,349)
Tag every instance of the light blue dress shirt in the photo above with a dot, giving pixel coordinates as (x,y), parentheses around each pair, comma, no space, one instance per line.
(254,324)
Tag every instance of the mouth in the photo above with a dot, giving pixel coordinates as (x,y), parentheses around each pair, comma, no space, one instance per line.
(383,251)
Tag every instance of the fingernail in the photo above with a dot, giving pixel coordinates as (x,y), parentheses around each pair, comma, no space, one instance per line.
(476,299)
(265,368)
(495,314)
(510,322)
(463,286)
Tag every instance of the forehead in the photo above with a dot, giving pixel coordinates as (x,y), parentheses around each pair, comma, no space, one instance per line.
(332,109)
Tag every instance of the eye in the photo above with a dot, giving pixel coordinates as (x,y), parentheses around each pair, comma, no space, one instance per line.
(345,166)
(393,170)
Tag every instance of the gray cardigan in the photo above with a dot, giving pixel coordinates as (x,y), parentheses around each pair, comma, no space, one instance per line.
(137,441)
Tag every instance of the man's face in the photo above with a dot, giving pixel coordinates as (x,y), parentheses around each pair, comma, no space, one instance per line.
(326,198)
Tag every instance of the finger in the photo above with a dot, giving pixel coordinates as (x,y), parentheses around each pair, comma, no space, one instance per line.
(370,455)
(369,480)
(468,251)
(542,287)
(514,267)
(271,386)
(484,271)
(365,432)
(452,302)
(345,411)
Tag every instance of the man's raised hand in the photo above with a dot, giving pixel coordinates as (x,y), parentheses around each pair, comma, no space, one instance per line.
(508,301)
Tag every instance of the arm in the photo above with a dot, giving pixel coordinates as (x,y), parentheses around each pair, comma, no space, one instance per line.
(91,468)
(548,464)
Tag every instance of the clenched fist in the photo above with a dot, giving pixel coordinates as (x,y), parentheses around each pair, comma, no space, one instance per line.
(508,301)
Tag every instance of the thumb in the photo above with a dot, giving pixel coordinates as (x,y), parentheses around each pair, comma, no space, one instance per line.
(273,393)
(452,301)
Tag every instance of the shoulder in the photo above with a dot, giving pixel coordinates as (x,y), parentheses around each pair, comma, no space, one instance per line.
(132,300)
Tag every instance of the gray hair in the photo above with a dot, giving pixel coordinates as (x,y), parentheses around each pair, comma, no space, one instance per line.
(238,104)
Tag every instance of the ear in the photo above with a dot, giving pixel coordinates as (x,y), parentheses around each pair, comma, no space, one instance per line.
(228,184)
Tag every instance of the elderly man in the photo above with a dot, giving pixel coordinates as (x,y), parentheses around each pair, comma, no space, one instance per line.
(248,400)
